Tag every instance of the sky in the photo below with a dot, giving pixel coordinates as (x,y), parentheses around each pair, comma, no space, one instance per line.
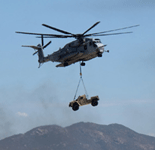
(123,78)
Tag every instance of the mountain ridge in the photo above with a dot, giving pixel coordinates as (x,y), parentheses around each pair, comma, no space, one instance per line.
(81,136)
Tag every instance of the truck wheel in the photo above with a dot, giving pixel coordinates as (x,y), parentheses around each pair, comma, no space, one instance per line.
(94,103)
(75,106)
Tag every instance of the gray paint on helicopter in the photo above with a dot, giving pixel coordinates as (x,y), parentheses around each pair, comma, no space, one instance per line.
(82,49)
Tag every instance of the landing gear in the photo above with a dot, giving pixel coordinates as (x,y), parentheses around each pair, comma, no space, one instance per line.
(65,64)
(83,64)
(99,54)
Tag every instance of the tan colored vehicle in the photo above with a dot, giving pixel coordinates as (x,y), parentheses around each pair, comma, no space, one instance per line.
(82,100)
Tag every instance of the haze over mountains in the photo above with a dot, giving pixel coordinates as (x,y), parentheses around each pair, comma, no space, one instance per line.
(79,136)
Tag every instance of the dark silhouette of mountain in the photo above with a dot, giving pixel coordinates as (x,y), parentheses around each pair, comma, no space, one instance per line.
(79,136)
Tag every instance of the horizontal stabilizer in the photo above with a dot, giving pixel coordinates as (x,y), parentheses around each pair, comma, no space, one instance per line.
(34,47)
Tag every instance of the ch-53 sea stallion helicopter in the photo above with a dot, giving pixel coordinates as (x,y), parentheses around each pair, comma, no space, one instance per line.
(80,50)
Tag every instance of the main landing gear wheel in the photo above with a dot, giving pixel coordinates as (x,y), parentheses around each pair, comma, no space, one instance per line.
(99,54)
(83,64)
(94,103)
(65,64)
(75,106)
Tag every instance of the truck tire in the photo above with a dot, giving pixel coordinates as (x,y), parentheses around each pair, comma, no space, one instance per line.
(94,103)
(75,106)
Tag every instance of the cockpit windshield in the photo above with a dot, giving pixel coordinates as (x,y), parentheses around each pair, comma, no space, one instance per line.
(97,41)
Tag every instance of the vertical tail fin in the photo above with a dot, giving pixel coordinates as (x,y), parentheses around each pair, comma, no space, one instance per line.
(39,48)
(40,55)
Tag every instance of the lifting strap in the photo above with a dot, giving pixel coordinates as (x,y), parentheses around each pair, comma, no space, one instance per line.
(81,79)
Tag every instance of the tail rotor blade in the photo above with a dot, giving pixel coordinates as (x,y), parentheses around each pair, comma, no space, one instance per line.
(47,44)
(35,53)
(42,40)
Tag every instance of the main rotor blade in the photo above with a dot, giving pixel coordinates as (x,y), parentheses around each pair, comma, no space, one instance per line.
(116,29)
(91,27)
(108,34)
(54,35)
(65,36)
(62,31)
(47,44)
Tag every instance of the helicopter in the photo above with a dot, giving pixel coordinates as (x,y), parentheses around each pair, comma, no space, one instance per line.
(80,50)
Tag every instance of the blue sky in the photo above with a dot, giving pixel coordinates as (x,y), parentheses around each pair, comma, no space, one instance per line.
(123,79)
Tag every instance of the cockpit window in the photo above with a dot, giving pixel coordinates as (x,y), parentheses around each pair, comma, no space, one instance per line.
(97,41)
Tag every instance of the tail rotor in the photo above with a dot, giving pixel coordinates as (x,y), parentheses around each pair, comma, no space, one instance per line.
(39,50)
(42,46)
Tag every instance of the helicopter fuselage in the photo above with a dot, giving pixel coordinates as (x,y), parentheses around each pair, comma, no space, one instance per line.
(82,49)
(76,51)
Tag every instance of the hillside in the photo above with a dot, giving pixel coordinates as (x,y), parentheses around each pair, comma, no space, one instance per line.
(79,136)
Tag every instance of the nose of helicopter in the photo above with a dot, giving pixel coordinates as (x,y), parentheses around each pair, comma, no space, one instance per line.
(100,47)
